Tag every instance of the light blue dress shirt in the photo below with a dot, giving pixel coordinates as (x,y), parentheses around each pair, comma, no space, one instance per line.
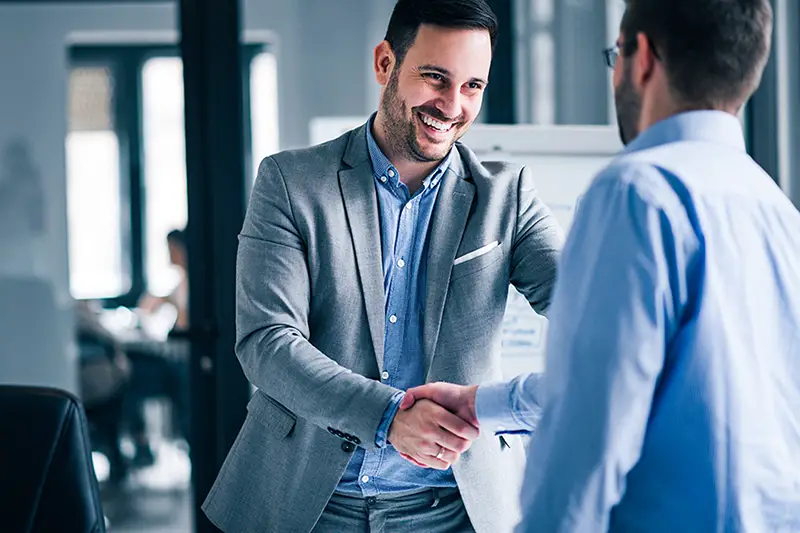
(404,221)
(671,399)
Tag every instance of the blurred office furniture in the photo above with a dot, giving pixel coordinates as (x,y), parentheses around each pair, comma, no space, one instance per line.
(103,376)
(48,480)
(130,364)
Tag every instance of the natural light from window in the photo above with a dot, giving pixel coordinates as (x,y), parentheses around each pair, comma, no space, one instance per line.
(97,221)
(93,201)
(164,152)
(164,167)
(94,208)
(264,107)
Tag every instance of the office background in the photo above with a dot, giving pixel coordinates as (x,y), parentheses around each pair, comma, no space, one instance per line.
(122,121)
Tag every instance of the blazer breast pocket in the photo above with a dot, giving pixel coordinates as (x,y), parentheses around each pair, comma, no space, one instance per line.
(476,260)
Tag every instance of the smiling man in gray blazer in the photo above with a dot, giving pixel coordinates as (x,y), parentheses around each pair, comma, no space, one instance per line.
(371,264)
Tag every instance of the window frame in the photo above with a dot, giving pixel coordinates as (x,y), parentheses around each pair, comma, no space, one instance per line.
(125,63)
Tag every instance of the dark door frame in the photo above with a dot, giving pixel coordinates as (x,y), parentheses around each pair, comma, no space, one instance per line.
(215,163)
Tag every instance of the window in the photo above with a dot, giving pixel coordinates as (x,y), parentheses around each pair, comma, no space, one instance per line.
(164,166)
(542,50)
(264,106)
(164,151)
(127,163)
(95,210)
(561,76)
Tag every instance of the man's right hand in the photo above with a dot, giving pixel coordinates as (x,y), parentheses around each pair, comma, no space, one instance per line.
(422,431)
(458,399)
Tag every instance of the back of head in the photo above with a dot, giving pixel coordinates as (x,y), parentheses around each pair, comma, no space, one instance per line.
(409,15)
(177,237)
(713,51)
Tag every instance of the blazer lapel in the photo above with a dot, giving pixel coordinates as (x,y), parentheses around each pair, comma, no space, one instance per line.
(448,223)
(361,204)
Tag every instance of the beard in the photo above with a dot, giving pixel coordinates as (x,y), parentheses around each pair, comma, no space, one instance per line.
(629,107)
(401,127)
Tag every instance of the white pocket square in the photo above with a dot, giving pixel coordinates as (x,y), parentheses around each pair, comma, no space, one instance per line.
(483,250)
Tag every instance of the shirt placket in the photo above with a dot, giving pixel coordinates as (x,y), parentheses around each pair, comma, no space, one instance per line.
(396,311)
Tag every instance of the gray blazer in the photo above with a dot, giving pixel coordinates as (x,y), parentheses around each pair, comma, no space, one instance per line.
(310,325)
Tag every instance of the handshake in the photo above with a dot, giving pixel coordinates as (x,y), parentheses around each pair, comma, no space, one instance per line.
(435,424)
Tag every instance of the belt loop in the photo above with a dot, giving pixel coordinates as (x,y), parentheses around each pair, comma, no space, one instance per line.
(435,497)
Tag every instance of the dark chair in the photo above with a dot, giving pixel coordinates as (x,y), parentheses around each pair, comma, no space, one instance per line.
(47,480)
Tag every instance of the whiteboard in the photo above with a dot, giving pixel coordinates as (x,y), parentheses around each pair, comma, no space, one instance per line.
(564,160)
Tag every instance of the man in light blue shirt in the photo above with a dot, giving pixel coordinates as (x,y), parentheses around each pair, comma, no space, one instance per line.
(671,400)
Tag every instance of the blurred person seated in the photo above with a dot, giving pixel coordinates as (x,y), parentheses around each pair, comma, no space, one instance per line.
(179,297)
(154,374)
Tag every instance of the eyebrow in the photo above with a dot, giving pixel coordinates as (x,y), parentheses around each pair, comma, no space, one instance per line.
(445,72)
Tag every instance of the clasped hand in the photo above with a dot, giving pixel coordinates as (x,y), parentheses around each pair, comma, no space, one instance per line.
(435,424)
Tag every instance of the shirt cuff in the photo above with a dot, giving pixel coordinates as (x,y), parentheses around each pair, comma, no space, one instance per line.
(494,407)
(381,439)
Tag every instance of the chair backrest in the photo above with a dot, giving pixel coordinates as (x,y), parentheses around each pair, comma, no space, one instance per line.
(47,480)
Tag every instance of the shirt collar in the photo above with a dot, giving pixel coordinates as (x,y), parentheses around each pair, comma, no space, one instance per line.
(385,172)
(706,125)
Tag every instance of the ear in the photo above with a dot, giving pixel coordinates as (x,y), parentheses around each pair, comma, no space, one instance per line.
(644,61)
(383,62)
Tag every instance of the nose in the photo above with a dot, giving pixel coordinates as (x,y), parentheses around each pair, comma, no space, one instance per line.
(449,103)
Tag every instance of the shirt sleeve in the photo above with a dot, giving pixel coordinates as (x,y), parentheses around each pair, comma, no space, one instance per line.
(381,439)
(511,407)
(614,308)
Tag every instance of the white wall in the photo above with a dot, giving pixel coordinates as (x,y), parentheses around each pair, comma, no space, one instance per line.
(33,106)
(322,72)
(321,64)
(378,16)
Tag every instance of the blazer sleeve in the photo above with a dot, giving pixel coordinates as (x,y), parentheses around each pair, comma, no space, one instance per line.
(537,246)
(272,330)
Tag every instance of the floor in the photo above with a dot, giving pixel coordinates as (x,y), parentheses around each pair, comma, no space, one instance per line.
(149,511)
(155,499)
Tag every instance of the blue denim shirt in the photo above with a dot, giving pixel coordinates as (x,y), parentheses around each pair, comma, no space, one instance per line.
(404,222)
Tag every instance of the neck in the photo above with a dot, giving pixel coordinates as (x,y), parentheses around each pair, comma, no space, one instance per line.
(663,106)
(655,109)
(412,172)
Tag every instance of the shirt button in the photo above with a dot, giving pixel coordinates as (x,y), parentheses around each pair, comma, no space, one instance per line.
(408,206)
(393,319)
(383,179)
(365,479)
(401,263)
(391,173)
(385,375)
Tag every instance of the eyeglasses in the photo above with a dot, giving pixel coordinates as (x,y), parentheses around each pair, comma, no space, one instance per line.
(611,55)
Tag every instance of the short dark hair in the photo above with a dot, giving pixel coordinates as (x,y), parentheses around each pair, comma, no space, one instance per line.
(409,15)
(714,51)
(177,236)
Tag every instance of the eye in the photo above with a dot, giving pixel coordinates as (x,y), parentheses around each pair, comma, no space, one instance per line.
(475,86)
(434,76)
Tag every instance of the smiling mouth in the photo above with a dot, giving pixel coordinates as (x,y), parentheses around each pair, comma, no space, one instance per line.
(434,126)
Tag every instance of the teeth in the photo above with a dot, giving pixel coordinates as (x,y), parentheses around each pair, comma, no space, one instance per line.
(435,124)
